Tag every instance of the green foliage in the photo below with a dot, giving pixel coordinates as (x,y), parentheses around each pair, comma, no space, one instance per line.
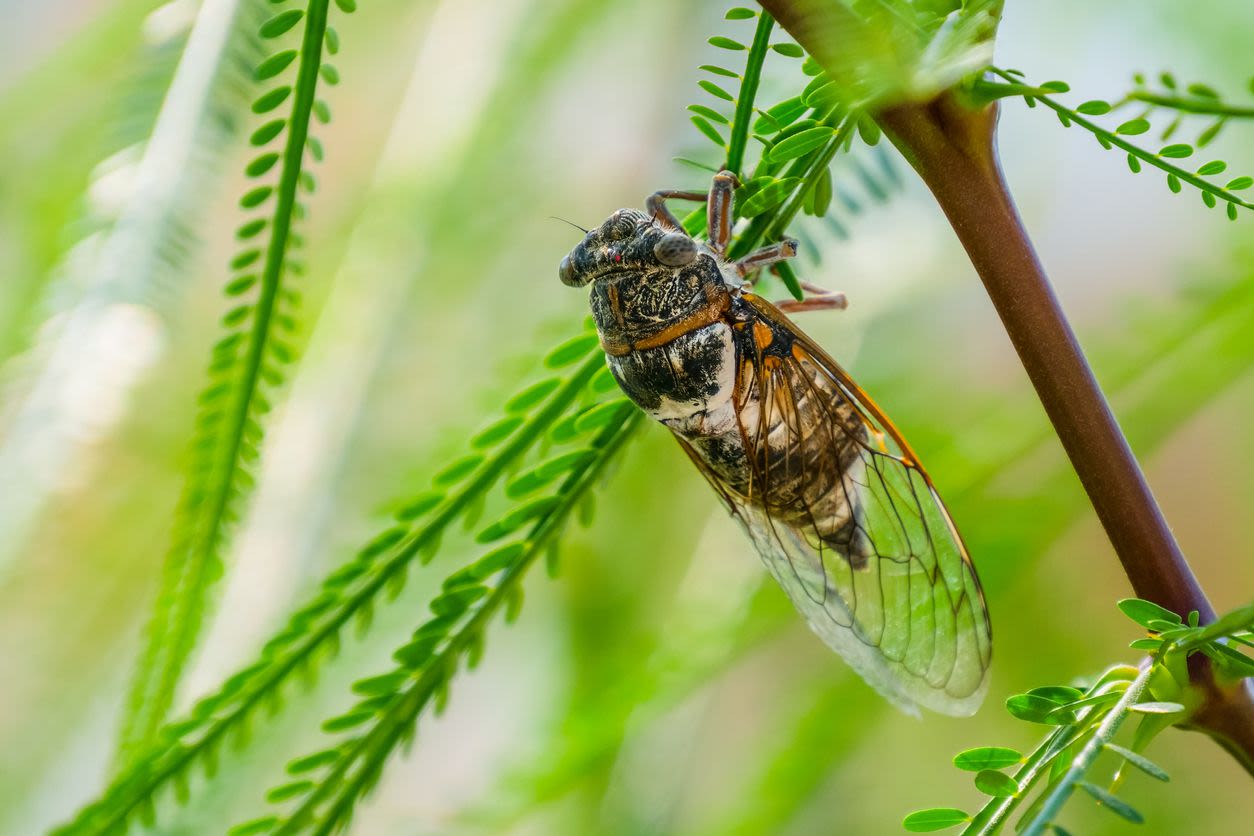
(1085,725)
(379,570)
(332,780)
(246,366)
(1212,192)
(541,458)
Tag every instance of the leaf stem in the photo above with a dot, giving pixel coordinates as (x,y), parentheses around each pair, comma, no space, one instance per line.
(739,138)
(1061,791)
(158,766)
(1119,142)
(377,744)
(952,147)
(1192,104)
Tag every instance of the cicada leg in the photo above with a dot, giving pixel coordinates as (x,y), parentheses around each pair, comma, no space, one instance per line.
(817,299)
(655,204)
(718,202)
(765,257)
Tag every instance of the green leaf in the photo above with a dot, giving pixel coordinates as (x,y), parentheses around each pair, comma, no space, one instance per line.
(723,71)
(1213,167)
(1177,151)
(571,351)
(1133,127)
(254,826)
(275,64)
(256,197)
(726,43)
(1158,708)
(532,395)
(348,720)
(517,518)
(715,91)
(987,757)
(280,23)
(311,762)
(1116,805)
(709,113)
(288,790)
(1035,709)
(267,132)
(1239,183)
(457,471)
(788,50)
(496,432)
(780,115)
(260,166)
(937,818)
(997,784)
(740,13)
(708,130)
(453,602)
(1140,762)
(498,559)
(769,196)
(800,144)
(599,415)
(267,102)
(388,683)
(1143,612)
(1095,107)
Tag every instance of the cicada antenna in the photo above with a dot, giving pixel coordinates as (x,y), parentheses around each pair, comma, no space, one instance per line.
(569,223)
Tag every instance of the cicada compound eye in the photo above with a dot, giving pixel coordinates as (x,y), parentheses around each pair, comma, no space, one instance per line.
(566,272)
(675,249)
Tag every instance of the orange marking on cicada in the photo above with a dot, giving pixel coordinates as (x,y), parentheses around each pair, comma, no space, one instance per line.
(762,335)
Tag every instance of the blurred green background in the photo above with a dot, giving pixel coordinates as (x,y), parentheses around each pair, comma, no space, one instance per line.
(658,685)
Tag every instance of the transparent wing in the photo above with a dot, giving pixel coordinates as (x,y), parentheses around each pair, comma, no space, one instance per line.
(849,524)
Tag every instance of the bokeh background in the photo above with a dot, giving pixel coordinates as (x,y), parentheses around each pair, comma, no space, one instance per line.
(658,684)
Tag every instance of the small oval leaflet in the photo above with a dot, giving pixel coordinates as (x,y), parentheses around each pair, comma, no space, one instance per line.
(1158,708)
(937,818)
(987,757)
(1115,804)
(997,784)
(800,144)
(1140,762)
(571,351)
(280,23)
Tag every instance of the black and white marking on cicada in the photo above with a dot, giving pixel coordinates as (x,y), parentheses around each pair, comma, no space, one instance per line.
(837,504)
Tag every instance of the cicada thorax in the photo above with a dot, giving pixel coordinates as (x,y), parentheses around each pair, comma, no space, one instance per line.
(688,350)
(665,339)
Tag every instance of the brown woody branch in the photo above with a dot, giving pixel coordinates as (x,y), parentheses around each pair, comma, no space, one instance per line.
(952,146)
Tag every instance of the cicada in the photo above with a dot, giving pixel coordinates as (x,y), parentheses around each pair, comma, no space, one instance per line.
(833,498)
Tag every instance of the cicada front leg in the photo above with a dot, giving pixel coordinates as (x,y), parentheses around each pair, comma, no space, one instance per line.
(817,298)
(718,201)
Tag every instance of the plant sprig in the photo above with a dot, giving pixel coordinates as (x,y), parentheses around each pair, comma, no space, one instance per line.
(350,593)
(1212,193)
(245,366)
(1087,723)
(426,664)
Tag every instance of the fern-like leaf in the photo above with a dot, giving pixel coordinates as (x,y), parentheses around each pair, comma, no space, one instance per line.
(246,365)
(330,782)
(1177,174)
(112,289)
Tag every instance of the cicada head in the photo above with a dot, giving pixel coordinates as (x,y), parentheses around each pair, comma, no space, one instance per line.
(628,241)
